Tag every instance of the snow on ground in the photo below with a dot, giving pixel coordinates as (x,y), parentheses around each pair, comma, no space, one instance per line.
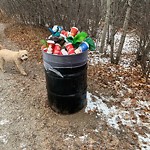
(5,121)
(144,142)
(130,44)
(130,47)
(115,116)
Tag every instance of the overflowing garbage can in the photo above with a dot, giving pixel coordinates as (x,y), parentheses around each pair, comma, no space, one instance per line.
(65,57)
(66,81)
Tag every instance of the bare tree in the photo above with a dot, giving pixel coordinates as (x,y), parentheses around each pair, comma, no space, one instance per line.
(83,14)
(125,27)
(106,26)
(140,20)
(117,12)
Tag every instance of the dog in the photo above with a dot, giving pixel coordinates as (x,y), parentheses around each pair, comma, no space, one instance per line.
(16,57)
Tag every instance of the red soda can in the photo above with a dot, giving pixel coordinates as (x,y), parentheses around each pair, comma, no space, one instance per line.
(70,48)
(71,52)
(51,43)
(65,33)
(74,31)
(57,49)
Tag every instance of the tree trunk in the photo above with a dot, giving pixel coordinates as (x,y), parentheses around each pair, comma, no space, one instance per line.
(125,27)
(145,58)
(148,71)
(112,44)
(105,26)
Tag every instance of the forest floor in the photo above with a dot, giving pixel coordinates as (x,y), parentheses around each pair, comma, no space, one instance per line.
(116,116)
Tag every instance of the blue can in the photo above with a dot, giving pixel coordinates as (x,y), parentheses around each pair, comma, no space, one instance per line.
(84,46)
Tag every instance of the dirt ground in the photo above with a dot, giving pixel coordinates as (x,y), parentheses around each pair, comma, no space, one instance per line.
(27,123)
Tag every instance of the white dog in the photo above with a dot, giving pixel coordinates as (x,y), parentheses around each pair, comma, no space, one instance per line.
(16,57)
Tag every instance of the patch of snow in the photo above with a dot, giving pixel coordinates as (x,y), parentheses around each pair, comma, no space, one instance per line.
(95,58)
(83,138)
(69,137)
(112,114)
(5,121)
(101,107)
(144,141)
(144,104)
(95,130)
(98,104)
(23,146)
(115,116)
(3,139)
(125,62)
(130,44)
(130,47)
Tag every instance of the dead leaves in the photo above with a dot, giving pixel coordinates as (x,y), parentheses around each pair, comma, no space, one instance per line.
(124,82)
(27,37)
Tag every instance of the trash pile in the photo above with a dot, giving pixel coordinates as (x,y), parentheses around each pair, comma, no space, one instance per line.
(62,42)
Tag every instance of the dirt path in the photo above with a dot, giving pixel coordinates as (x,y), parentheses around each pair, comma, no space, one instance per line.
(26,123)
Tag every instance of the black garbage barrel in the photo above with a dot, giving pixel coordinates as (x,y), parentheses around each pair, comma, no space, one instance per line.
(66,82)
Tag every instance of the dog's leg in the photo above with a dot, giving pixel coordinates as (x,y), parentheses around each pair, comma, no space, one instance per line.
(2,64)
(20,68)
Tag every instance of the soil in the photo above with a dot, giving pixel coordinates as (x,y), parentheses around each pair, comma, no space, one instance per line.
(28,123)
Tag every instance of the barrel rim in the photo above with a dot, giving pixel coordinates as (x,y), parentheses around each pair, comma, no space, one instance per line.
(65,55)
